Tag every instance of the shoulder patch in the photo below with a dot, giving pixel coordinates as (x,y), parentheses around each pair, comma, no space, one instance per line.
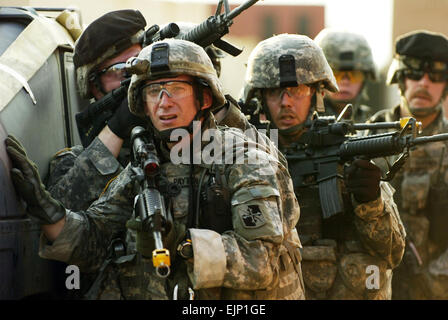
(252,216)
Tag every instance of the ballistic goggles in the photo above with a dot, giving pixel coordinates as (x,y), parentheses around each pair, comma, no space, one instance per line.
(275,94)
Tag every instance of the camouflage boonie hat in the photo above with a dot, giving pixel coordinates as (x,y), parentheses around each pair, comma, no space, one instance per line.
(184,58)
(123,28)
(346,51)
(417,47)
(263,67)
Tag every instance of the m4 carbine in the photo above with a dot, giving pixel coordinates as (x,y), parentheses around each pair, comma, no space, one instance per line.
(149,205)
(328,144)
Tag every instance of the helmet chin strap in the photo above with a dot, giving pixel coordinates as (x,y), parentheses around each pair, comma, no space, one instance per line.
(291,134)
(420,112)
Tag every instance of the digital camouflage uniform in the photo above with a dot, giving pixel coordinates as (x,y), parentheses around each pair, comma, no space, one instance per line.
(77,176)
(422,183)
(422,188)
(256,258)
(336,252)
(348,51)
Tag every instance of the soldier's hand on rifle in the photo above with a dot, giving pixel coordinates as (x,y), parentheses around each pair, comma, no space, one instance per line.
(122,122)
(362,179)
(26,179)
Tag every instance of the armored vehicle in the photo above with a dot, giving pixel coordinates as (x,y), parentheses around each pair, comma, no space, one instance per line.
(38,103)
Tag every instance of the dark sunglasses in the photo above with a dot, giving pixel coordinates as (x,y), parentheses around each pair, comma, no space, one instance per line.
(418,74)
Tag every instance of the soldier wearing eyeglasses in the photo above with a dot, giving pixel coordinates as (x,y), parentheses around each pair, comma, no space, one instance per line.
(99,62)
(287,74)
(420,68)
(351,60)
(77,175)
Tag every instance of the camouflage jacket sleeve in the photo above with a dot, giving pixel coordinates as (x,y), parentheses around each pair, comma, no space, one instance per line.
(264,213)
(380,228)
(77,179)
(87,234)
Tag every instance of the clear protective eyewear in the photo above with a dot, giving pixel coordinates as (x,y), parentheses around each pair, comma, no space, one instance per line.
(175,89)
(116,71)
(276,94)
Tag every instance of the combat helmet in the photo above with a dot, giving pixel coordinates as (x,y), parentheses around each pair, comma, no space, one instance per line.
(287,60)
(167,58)
(346,50)
(123,28)
(422,51)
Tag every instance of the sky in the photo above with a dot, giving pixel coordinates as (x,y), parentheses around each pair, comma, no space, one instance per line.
(371,18)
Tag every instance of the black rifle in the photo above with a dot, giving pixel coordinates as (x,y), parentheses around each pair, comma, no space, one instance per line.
(94,117)
(252,110)
(154,33)
(150,205)
(328,144)
(215,27)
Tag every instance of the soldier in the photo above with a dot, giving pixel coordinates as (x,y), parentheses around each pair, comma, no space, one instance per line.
(287,74)
(99,63)
(351,60)
(420,68)
(235,255)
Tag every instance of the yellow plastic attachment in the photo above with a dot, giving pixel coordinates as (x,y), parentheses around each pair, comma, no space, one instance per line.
(161,258)
(405,120)
(161,261)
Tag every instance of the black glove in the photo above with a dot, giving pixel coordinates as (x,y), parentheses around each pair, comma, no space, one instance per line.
(26,179)
(122,122)
(362,178)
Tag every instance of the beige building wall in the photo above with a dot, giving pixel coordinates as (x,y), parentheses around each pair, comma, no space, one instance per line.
(410,15)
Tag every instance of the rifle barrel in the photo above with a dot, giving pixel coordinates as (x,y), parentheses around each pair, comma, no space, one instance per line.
(235,12)
(377,125)
(434,138)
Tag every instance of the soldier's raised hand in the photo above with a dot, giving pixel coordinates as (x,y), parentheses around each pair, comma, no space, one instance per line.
(26,180)
(362,179)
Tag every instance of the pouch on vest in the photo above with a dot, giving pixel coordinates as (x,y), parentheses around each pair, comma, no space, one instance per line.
(215,200)
(414,191)
(319,267)
(363,274)
(437,215)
